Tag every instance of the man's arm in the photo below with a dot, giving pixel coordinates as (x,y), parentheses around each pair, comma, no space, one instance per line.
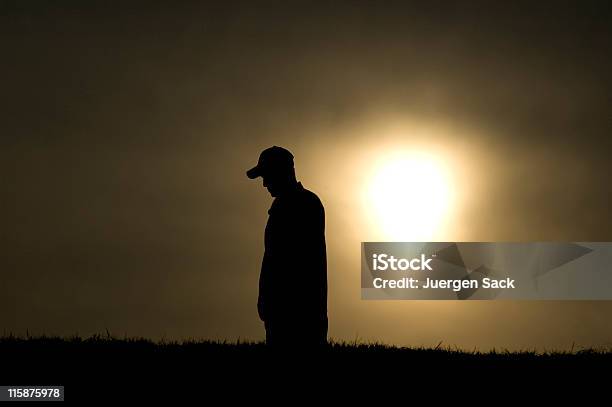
(263,284)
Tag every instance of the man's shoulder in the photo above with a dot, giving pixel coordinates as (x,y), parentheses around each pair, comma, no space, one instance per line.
(301,200)
(310,198)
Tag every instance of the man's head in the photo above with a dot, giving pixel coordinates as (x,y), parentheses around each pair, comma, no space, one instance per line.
(275,166)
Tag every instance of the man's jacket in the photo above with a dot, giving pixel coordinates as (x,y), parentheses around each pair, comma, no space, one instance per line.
(293,279)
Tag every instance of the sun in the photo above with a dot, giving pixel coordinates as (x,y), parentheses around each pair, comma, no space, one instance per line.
(409,196)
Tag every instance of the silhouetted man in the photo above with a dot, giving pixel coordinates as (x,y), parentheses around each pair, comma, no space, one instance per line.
(293,281)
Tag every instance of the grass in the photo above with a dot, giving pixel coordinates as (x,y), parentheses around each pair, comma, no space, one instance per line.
(107,342)
(85,365)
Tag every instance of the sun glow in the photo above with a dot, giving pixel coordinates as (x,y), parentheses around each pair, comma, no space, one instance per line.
(409,196)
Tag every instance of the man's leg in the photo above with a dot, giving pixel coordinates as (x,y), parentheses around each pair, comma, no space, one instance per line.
(270,337)
(312,334)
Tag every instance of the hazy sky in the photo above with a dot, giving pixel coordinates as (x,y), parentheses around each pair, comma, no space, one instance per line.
(126,132)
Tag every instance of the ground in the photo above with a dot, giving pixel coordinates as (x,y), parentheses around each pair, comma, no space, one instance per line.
(106,368)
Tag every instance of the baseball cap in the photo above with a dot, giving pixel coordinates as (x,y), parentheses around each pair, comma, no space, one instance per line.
(270,160)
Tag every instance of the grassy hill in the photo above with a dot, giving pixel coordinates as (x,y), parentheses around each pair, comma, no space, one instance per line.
(85,365)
